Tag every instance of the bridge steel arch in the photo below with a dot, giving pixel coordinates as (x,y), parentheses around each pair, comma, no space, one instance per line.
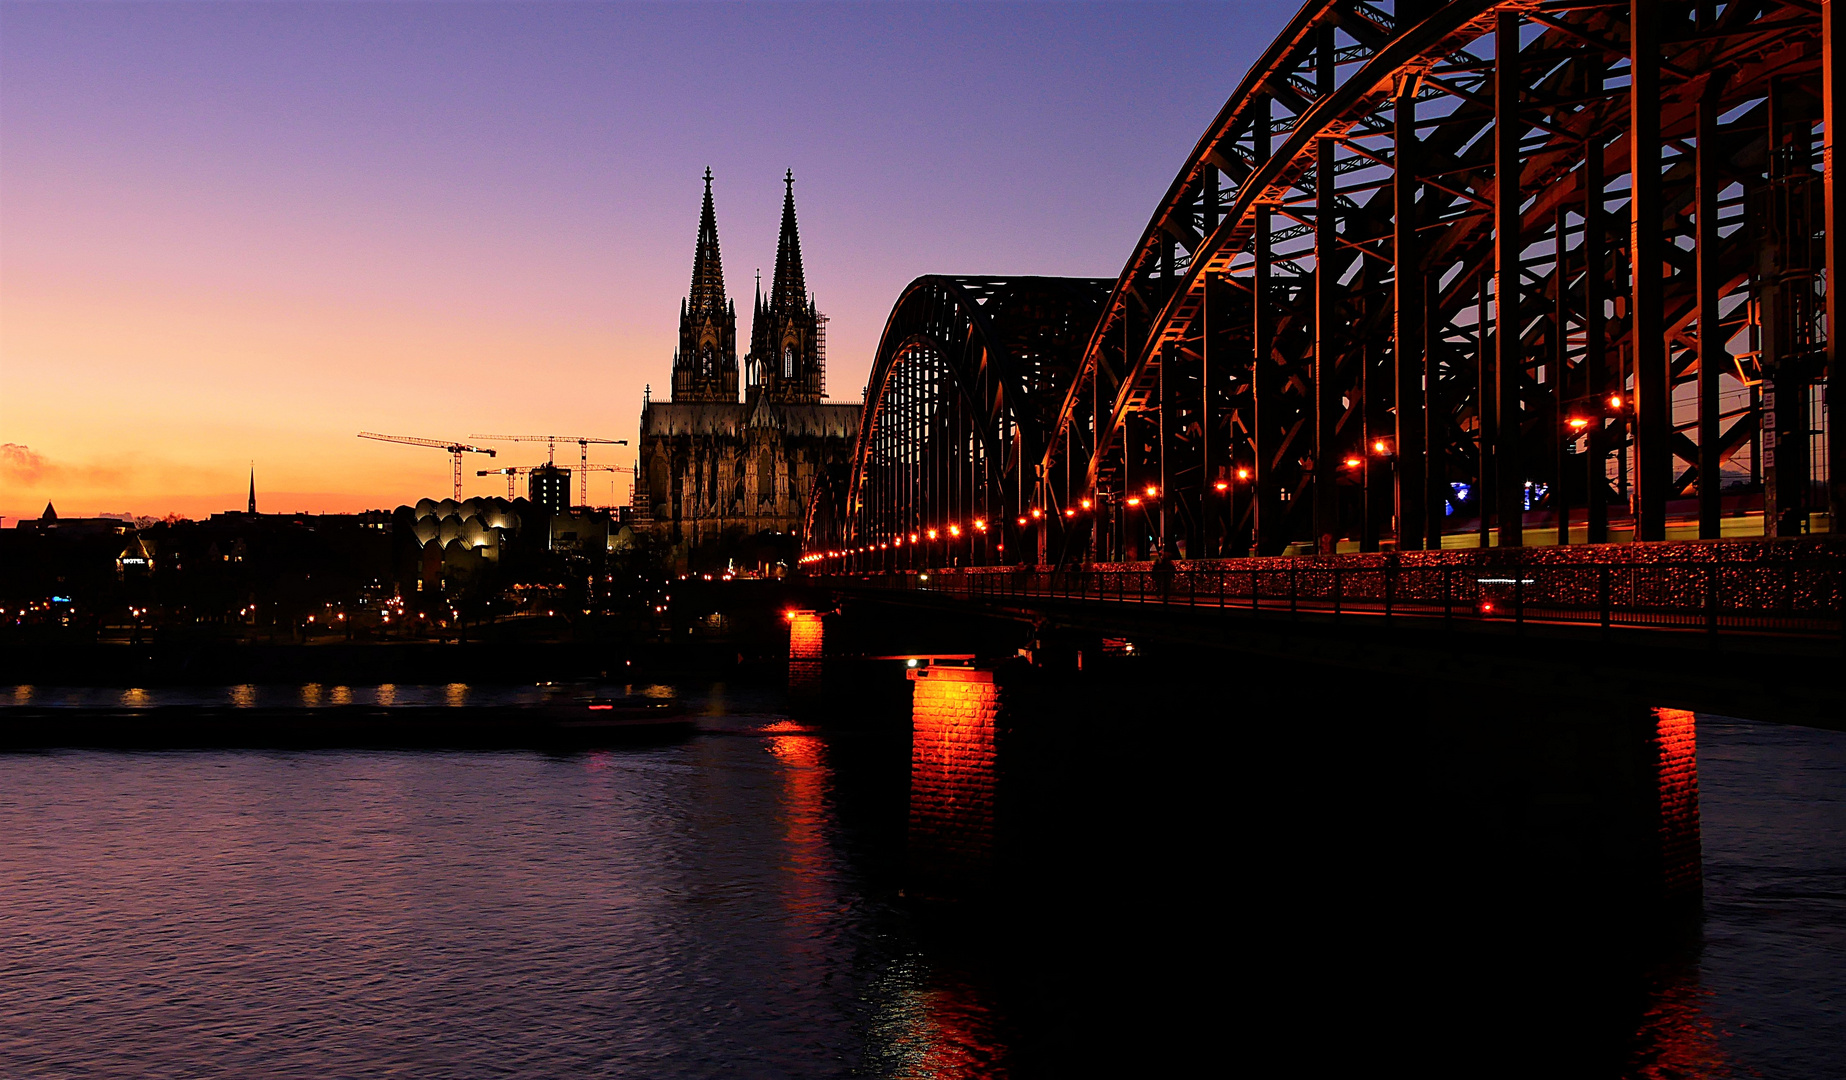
(1447,266)
(959,407)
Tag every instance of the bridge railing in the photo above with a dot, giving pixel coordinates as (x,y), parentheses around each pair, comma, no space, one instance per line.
(1788,597)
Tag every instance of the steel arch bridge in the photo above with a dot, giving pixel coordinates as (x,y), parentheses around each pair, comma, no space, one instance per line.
(963,394)
(1500,273)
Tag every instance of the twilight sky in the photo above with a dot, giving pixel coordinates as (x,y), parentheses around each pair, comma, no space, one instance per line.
(247,231)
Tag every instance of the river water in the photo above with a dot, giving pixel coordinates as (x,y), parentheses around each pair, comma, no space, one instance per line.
(735,905)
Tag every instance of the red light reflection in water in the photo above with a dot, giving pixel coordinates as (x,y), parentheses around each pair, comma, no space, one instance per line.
(946,1031)
(941,1027)
(805,778)
(1677,1039)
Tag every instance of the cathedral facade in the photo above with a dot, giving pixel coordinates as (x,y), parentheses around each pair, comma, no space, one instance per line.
(725,482)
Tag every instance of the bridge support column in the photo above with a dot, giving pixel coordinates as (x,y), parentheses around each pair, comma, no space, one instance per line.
(953,757)
(1833,112)
(806,635)
(1506,491)
(1653,403)
(1674,744)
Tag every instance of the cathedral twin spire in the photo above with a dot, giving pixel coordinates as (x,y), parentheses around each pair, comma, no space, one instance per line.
(789,288)
(707,293)
(784,360)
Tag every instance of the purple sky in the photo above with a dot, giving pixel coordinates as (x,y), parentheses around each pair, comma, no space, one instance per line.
(248,231)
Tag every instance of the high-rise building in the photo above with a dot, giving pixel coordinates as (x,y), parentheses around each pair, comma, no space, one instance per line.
(550,488)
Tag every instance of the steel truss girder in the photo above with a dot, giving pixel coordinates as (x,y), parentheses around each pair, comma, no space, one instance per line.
(958,403)
(1555,236)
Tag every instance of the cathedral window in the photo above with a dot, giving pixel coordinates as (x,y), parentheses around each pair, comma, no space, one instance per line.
(788,361)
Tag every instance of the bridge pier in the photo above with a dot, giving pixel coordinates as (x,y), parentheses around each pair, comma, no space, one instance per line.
(806,636)
(955,715)
(1673,744)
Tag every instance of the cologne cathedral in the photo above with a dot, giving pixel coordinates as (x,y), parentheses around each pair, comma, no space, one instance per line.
(727,483)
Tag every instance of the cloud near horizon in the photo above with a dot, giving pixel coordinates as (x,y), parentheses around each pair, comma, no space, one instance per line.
(23,466)
(144,485)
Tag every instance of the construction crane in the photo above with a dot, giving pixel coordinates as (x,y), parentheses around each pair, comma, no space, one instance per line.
(551,451)
(456,449)
(514,472)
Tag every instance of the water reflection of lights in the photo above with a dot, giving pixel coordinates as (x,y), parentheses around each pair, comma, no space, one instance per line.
(456,694)
(243,695)
(1677,1037)
(805,779)
(933,1024)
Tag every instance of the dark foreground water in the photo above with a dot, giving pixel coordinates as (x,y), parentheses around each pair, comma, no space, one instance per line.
(734,905)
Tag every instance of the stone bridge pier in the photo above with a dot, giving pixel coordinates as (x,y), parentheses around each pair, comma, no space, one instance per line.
(806,637)
(954,757)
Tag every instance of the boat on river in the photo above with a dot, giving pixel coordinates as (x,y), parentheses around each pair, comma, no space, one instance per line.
(626,717)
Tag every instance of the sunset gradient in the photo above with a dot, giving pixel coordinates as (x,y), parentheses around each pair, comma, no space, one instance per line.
(236,233)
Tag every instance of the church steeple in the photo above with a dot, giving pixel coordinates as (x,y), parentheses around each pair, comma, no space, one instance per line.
(787,355)
(789,290)
(705,367)
(252,487)
(707,293)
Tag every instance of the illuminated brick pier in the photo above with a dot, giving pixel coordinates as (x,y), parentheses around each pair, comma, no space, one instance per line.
(1675,745)
(806,636)
(955,714)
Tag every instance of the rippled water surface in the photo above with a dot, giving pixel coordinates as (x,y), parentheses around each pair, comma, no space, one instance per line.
(712,908)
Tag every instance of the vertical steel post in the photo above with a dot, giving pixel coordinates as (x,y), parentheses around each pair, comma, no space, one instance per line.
(1711,336)
(1210,512)
(1485,429)
(1162,432)
(1436,490)
(1097,526)
(1162,354)
(1653,402)
(1595,332)
(1374,398)
(1560,363)
(1509,366)
(1785,376)
(1326,324)
(1266,506)
(1209,508)
(1833,112)
(1407,331)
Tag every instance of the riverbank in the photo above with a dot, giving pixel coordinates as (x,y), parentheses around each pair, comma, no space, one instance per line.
(368,664)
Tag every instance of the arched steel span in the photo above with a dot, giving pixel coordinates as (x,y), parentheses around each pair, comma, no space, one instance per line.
(959,406)
(1390,293)
(1391,296)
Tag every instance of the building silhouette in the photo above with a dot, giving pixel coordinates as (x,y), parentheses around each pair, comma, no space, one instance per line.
(549,488)
(724,482)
